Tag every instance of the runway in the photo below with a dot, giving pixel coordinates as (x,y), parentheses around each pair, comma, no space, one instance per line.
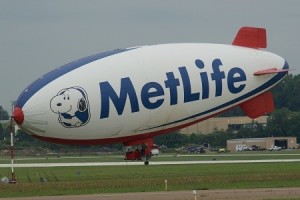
(129,163)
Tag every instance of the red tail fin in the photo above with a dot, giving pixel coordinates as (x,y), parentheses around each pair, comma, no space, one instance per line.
(251,37)
(258,106)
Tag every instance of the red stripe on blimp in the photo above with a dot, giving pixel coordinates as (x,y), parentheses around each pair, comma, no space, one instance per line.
(122,139)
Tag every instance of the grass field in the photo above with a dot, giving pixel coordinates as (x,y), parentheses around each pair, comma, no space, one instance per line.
(112,179)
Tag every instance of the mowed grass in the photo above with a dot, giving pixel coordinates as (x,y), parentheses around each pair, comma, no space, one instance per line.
(112,179)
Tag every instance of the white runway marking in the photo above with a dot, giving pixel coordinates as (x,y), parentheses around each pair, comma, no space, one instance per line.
(141,163)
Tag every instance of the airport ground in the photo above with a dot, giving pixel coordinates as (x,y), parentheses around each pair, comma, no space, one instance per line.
(224,173)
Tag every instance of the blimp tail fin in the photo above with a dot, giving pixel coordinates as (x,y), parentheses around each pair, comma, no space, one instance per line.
(251,37)
(258,106)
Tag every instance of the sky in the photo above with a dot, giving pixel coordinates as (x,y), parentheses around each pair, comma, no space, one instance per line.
(39,36)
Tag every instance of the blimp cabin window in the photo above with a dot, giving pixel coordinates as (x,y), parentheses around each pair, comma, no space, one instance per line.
(140,148)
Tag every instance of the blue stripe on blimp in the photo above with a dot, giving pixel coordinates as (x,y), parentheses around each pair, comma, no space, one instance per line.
(54,74)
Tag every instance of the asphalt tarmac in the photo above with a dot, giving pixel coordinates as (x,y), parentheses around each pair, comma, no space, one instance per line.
(124,163)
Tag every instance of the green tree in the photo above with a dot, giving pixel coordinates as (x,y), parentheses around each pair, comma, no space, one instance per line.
(4,132)
(294,128)
(286,93)
(236,111)
(3,114)
(172,140)
(1,132)
(279,123)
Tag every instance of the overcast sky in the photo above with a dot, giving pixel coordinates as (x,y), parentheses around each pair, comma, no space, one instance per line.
(37,36)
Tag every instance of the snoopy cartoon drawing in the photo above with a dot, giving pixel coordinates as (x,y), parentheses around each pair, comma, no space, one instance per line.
(72,106)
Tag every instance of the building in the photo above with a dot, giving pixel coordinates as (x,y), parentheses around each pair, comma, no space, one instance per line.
(265,143)
(207,126)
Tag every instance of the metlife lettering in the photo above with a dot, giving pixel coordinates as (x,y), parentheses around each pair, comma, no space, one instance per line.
(235,84)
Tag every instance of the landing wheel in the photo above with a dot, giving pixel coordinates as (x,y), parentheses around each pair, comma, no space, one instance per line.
(146,162)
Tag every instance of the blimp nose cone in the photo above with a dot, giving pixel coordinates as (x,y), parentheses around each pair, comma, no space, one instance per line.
(18,115)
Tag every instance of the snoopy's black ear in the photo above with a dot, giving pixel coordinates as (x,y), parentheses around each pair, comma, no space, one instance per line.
(82,105)
(61,92)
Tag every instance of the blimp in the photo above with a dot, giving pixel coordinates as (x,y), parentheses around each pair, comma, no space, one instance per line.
(131,95)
